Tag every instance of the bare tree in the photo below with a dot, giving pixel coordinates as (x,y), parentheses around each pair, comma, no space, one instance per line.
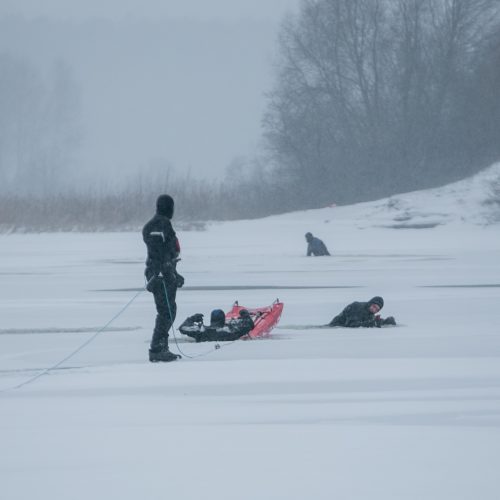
(372,87)
(39,125)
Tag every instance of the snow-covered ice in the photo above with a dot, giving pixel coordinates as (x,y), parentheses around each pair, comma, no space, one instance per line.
(411,412)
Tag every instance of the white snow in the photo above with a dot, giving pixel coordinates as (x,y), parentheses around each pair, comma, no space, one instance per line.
(411,412)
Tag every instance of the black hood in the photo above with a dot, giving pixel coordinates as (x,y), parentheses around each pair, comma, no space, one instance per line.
(165,206)
(377,300)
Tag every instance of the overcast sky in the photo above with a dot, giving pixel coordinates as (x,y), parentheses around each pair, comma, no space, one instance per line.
(203,9)
(178,80)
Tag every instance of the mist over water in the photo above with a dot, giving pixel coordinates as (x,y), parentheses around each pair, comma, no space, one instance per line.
(160,83)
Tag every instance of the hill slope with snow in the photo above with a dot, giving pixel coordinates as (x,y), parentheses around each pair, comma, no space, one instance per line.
(474,200)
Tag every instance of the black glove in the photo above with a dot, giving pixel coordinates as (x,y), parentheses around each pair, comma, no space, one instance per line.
(151,284)
(179,280)
(197,318)
(169,273)
(389,321)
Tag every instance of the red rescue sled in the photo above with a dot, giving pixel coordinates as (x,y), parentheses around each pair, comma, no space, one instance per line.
(264,318)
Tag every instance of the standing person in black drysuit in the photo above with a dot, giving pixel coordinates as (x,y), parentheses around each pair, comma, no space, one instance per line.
(161,275)
(363,314)
(315,246)
(219,329)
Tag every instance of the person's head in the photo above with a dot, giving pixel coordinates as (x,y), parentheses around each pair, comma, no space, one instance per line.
(165,205)
(244,313)
(217,318)
(309,237)
(375,304)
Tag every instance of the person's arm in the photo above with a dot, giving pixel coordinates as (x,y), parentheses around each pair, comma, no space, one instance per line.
(245,324)
(239,327)
(153,240)
(192,325)
(356,323)
(169,253)
(309,250)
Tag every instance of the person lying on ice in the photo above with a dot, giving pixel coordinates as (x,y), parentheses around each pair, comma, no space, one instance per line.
(219,329)
(362,314)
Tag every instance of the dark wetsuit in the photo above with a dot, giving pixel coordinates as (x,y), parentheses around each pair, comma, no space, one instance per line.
(355,315)
(233,329)
(316,247)
(163,249)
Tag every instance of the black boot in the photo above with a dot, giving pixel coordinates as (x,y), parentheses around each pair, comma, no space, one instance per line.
(162,355)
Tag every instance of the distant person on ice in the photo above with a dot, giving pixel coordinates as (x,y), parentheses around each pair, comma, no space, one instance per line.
(161,275)
(362,314)
(315,246)
(219,329)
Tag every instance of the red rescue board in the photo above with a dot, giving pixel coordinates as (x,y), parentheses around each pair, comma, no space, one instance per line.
(264,318)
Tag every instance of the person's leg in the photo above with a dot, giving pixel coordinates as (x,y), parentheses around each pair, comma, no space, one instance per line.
(159,340)
(171,304)
(166,309)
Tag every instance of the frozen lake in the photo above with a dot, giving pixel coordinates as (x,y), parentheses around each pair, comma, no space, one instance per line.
(410,412)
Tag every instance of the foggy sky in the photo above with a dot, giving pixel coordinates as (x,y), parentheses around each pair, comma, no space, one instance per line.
(151,9)
(178,80)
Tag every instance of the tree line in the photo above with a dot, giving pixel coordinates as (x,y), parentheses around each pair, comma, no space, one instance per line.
(375,97)
(39,125)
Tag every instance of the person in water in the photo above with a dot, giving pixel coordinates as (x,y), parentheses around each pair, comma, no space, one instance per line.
(363,314)
(315,246)
(219,329)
